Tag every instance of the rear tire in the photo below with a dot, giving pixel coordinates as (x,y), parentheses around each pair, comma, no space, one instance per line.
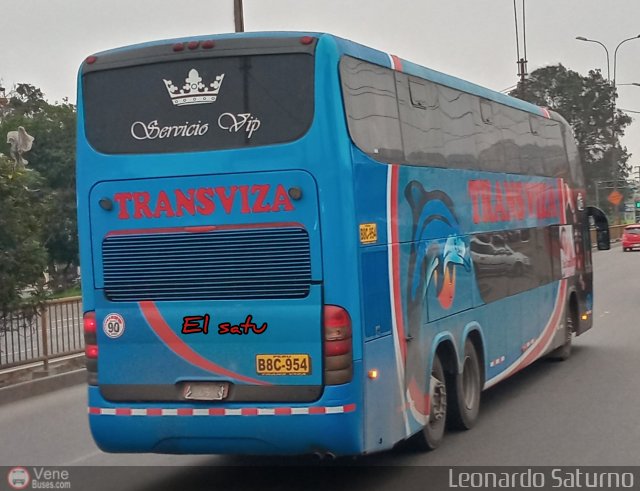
(464,399)
(432,434)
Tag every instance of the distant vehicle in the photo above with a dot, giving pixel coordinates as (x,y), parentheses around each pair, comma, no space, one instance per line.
(631,238)
(490,258)
(276,238)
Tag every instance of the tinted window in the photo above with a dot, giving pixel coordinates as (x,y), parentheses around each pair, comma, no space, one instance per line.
(372,108)
(199,104)
(513,261)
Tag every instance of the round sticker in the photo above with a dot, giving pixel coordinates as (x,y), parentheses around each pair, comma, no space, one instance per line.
(113,325)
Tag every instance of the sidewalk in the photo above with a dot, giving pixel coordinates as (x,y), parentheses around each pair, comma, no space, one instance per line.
(28,382)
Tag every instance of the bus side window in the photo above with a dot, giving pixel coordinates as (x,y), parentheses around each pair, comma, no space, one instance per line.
(420,120)
(371,108)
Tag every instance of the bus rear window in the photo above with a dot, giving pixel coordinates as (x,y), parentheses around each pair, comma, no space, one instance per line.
(199,104)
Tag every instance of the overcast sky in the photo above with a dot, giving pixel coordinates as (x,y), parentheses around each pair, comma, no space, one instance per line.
(44,41)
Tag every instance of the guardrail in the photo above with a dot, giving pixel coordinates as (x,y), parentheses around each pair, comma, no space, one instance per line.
(39,336)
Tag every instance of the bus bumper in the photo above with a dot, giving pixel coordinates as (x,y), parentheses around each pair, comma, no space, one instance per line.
(332,425)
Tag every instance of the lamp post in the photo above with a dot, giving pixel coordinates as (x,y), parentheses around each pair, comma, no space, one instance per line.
(238,15)
(614,162)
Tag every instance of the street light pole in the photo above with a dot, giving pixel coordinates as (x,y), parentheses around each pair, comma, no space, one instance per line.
(238,15)
(614,163)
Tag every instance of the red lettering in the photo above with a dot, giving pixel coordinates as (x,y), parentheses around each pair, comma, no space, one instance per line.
(227,201)
(224,328)
(163,206)
(122,199)
(235,330)
(480,193)
(533,193)
(141,205)
(188,203)
(281,199)
(515,200)
(259,206)
(500,213)
(205,197)
(191,324)
(244,193)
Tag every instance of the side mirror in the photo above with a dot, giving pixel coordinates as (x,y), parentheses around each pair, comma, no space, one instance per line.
(601,224)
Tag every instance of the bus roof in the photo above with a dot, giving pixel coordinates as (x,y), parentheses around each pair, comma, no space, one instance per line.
(372,55)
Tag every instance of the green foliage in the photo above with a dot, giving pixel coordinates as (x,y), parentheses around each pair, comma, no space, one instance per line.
(52,162)
(23,257)
(587,103)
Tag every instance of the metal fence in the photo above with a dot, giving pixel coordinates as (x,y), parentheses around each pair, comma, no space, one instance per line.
(52,332)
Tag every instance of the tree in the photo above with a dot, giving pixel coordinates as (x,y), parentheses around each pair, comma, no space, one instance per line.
(53,157)
(587,103)
(23,257)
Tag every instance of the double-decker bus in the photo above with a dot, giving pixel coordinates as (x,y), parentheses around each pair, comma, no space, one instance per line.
(293,243)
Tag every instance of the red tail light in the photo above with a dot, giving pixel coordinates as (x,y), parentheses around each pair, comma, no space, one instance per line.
(89,322)
(338,355)
(90,325)
(91,351)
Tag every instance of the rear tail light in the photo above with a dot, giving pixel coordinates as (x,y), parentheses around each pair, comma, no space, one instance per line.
(91,350)
(90,327)
(338,345)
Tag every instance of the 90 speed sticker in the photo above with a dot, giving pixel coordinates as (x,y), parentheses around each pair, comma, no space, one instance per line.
(113,325)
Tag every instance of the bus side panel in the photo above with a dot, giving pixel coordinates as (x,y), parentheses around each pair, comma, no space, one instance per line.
(384,419)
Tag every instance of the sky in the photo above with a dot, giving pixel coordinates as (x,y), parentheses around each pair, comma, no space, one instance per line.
(44,41)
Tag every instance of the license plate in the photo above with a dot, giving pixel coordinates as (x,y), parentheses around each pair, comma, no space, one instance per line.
(283,364)
(205,391)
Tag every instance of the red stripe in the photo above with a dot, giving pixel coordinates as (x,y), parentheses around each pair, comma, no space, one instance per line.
(282,411)
(249,411)
(157,323)
(395,258)
(349,408)
(154,411)
(216,411)
(94,410)
(551,329)
(397,63)
(185,412)
(201,229)
(317,410)
(123,411)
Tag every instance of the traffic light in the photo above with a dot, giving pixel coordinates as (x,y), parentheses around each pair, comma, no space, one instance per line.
(637,205)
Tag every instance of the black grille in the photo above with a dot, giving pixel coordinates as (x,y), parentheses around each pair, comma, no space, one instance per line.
(213,265)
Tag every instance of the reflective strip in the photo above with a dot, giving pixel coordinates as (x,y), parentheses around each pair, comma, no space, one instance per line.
(248,411)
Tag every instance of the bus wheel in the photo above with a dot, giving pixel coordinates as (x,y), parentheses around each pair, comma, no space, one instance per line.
(564,352)
(464,405)
(432,433)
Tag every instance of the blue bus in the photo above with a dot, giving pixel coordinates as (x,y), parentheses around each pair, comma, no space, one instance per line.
(292,243)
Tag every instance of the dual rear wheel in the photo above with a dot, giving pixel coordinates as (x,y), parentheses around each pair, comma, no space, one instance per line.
(454,398)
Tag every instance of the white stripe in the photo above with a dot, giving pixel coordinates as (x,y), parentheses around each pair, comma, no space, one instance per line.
(108,411)
(138,412)
(394,321)
(391,63)
(334,410)
(299,410)
(233,412)
(201,412)
(266,412)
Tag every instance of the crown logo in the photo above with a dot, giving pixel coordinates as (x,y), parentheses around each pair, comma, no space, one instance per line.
(194,91)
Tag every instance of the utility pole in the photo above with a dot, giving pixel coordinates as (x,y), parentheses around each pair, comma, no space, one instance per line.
(238,15)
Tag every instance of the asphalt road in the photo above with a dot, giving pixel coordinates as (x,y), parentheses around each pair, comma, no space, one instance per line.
(580,412)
